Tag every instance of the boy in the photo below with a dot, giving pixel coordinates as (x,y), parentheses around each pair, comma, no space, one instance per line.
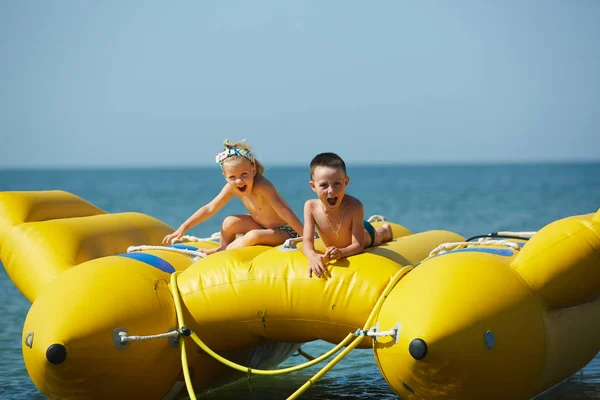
(339,218)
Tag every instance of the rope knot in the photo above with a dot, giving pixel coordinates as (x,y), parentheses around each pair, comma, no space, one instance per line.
(185,331)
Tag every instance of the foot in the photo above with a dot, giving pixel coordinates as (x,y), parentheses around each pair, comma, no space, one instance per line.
(388,233)
(211,251)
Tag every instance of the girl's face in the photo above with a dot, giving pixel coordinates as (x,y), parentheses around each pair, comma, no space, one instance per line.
(330,185)
(239,172)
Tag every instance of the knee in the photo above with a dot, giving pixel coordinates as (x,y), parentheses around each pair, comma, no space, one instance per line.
(230,223)
(387,233)
(383,234)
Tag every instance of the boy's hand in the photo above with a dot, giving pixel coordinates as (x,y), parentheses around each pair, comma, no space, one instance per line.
(332,253)
(315,265)
(175,235)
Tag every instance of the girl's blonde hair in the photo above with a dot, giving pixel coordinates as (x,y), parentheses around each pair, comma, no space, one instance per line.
(239,149)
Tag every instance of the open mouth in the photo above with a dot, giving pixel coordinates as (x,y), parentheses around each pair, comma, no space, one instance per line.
(242,188)
(332,201)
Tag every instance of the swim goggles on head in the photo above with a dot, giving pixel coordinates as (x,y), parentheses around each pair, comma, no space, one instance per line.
(232,151)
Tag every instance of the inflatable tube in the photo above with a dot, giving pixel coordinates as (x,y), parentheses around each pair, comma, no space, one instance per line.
(471,321)
(496,322)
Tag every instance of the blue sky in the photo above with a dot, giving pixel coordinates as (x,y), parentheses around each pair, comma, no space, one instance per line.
(146,83)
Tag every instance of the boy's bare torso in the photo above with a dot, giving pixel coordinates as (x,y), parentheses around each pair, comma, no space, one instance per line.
(335,226)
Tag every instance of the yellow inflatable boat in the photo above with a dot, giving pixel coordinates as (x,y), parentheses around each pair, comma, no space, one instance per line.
(115,316)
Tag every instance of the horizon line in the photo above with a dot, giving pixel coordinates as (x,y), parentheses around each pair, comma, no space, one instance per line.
(296,165)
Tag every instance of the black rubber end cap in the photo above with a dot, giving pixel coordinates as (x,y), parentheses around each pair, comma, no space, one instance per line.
(417,349)
(56,354)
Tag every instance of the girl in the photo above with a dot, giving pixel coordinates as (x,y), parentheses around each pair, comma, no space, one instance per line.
(271,220)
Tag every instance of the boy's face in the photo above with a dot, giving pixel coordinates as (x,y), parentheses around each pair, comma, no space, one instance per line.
(239,173)
(330,185)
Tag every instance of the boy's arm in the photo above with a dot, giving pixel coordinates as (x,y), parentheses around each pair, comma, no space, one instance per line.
(358,237)
(308,233)
(269,192)
(315,260)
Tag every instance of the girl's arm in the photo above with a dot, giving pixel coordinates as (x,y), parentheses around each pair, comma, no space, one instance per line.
(202,214)
(210,209)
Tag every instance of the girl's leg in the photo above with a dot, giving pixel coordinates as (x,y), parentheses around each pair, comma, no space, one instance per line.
(266,237)
(231,227)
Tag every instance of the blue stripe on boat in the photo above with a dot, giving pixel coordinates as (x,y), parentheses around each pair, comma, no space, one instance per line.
(151,260)
(500,252)
(184,247)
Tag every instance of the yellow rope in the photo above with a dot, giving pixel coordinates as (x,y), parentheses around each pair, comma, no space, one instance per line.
(238,367)
(241,368)
(403,271)
(281,371)
(184,362)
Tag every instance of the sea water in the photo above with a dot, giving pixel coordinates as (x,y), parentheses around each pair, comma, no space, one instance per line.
(467,199)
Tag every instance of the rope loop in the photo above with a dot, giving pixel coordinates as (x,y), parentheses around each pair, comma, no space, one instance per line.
(448,247)
(290,244)
(524,235)
(376,218)
(124,337)
(195,253)
(188,238)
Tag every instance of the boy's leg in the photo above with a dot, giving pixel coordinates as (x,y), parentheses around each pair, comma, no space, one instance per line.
(370,235)
(266,237)
(368,239)
(231,227)
(383,234)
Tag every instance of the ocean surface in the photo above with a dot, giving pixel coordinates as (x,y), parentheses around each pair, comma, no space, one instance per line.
(467,199)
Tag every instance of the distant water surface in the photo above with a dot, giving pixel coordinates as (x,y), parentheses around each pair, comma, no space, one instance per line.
(469,200)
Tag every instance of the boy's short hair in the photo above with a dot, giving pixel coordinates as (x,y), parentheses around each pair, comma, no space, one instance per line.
(331,160)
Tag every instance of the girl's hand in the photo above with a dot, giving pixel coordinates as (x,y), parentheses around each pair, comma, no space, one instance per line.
(315,265)
(175,235)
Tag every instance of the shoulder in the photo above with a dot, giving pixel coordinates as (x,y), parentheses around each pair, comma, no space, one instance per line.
(354,205)
(227,190)
(311,204)
(263,184)
(353,202)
